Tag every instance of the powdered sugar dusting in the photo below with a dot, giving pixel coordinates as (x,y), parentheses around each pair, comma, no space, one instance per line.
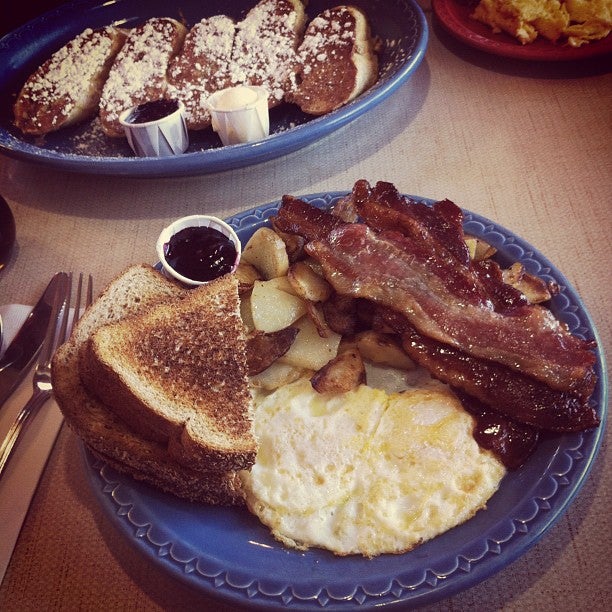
(265,47)
(139,72)
(202,67)
(66,83)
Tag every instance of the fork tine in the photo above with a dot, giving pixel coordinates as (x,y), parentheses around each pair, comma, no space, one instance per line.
(66,312)
(76,315)
(89,298)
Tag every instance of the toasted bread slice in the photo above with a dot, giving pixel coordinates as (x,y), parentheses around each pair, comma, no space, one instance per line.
(265,47)
(66,89)
(202,67)
(337,61)
(111,439)
(137,289)
(138,73)
(180,368)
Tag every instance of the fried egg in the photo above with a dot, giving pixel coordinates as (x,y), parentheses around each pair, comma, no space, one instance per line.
(365,472)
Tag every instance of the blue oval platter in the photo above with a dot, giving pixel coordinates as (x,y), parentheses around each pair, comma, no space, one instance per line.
(227,554)
(400,25)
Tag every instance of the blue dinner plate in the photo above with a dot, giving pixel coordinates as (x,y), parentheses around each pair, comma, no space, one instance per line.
(400,24)
(226,553)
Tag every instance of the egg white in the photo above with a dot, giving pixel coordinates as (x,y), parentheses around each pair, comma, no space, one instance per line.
(365,472)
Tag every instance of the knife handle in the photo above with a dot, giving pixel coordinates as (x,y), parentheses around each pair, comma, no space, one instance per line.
(18,427)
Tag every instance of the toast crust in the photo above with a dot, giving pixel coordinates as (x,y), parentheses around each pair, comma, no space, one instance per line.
(111,439)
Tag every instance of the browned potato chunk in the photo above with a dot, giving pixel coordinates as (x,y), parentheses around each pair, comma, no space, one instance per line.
(341,314)
(310,351)
(307,283)
(384,349)
(479,249)
(343,373)
(245,312)
(272,308)
(246,274)
(294,244)
(266,251)
(316,266)
(276,376)
(315,312)
(282,284)
(533,288)
(262,350)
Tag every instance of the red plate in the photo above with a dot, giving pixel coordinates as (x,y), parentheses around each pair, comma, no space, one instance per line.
(454,16)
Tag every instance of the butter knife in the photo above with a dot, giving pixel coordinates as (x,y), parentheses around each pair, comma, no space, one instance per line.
(21,352)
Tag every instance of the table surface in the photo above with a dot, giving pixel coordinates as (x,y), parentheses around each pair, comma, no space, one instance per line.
(526,144)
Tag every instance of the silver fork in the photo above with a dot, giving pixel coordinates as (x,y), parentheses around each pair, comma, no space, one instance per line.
(57,333)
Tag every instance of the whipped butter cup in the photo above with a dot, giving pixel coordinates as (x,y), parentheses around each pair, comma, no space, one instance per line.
(240,114)
(164,243)
(160,137)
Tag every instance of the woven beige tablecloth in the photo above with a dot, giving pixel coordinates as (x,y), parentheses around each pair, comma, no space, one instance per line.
(526,144)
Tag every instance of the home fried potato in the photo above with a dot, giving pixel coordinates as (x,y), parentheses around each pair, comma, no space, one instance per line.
(275,376)
(282,284)
(247,274)
(343,373)
(307,283)
(263,349)
(246,313)
(384,349)
(293,243)
(341,314)
(272,308)
(309,350)
(315,312)
(533,288)
(266,251)
(479,249)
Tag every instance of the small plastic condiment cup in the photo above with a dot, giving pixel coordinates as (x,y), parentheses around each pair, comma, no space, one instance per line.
(240,114)
(162,137)
(194,221)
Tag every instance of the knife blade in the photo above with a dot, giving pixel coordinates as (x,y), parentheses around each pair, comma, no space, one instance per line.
(21,352)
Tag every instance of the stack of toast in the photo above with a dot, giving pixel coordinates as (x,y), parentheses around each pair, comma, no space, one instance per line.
(154,381)
(318,66)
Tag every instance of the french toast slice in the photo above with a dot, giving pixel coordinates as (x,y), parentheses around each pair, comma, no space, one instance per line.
(202,67)
(138,289)
(66,88)
(138,73)
(337,61)
(179,369)
(265,47)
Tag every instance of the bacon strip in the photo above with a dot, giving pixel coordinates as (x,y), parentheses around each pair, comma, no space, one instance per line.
(513,443)
(298,217)
(512,394)
(384,268)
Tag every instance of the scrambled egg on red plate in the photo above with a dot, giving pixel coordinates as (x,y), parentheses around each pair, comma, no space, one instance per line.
(574,22)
